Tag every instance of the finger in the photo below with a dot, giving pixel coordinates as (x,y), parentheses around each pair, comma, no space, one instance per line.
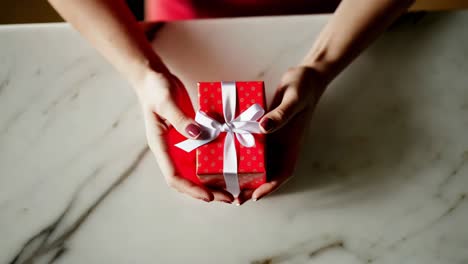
(275,119)
(182,97)
(174,105)
(264,190)
(277,98)
(188,187)
(184,124)
(222,196)
(154,134)
(244,196)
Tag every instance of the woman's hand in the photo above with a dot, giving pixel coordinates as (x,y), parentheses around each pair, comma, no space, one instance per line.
(354,25)
(296,97)
(159,94)
(298,91)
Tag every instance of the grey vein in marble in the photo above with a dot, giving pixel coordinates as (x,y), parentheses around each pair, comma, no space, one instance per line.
(40,246)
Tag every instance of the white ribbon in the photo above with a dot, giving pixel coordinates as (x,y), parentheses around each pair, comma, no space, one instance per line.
(242,127)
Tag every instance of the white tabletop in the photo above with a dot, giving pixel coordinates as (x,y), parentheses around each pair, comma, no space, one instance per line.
(383,176)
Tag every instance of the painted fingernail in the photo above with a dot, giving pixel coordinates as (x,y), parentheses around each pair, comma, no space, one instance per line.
(267,124)
(193,130)
(225,201)
(206,200)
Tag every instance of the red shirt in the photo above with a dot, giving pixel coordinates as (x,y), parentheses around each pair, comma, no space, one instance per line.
(168,10)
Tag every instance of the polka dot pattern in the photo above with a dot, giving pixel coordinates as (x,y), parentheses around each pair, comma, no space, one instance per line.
(210,156)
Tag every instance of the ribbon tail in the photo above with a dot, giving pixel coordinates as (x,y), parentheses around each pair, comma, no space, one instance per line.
(230,165)
(191,144)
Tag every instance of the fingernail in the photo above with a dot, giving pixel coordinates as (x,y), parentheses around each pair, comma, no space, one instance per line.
(254,199)
(228,202)
(267,124)
(206,200)
(193,130)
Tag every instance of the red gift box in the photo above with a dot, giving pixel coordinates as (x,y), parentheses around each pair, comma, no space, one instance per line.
(250,160)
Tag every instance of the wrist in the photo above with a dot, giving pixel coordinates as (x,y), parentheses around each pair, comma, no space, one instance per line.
(147,69)
(324,58)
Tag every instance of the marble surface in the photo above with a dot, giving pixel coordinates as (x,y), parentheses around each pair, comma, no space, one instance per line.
(383,177)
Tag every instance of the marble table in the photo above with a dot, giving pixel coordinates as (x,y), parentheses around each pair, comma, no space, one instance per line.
(383,177)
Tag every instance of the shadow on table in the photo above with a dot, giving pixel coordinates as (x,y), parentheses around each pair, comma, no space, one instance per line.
(363,139)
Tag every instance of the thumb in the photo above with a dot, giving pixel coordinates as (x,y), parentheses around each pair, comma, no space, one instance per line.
(184,124)
(278,117)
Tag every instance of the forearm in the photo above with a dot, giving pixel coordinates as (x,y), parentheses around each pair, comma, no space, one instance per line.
(113,31)
(355,24)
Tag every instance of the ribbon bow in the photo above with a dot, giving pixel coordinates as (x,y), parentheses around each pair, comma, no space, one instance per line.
(242,127)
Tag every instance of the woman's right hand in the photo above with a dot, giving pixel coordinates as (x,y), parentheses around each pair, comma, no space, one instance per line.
(158,94)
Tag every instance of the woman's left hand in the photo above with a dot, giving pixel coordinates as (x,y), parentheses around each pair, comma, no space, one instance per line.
(298,91)
(291,109)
